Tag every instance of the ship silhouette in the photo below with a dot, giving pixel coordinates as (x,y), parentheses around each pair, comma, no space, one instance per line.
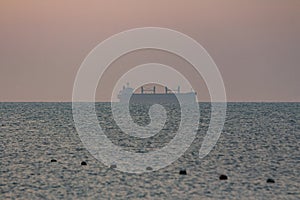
(150,96)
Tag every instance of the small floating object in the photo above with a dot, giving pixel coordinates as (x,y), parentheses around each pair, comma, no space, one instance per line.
(83,163)
(113,166)
(270,180)
(292,121)
(53,160)
(223,177)
(149,168)
(182,172)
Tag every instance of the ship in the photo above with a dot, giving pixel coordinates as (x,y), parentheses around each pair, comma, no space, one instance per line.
(150,96)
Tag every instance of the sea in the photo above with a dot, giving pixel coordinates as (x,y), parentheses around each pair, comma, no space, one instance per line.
(43,157)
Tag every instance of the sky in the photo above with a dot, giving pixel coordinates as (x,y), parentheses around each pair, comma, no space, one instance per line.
(255,44)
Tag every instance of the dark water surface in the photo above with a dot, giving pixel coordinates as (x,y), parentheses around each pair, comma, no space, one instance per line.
(259,141)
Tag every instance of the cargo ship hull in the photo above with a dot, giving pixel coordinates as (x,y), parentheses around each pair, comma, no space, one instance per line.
(127,95)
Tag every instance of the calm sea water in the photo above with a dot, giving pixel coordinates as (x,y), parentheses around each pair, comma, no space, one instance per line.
(259,141)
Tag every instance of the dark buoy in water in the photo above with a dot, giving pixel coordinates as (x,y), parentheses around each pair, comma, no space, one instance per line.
(83,163)
(149,168)
(182,172)
(269,180)
(113,166)
(223,177)
(53,160)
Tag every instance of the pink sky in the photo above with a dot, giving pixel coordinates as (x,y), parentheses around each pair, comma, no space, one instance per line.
(255,43)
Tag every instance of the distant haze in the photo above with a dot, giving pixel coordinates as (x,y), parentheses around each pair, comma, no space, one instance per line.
(255,44)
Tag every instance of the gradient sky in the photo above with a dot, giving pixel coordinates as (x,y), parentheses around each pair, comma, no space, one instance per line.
(255,43)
